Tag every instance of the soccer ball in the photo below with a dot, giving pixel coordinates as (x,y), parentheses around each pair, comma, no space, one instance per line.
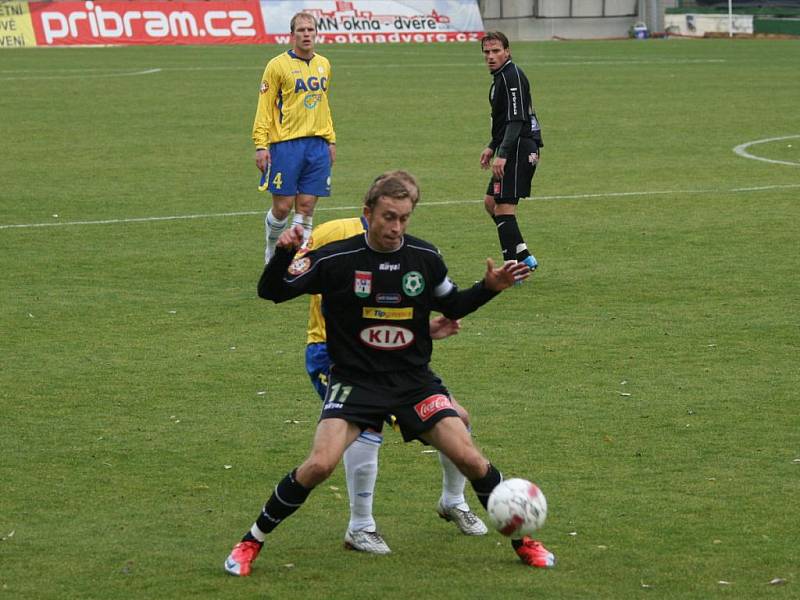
(517,507)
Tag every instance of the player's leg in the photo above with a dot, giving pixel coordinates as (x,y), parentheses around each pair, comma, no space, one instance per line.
(330,440)
(286,161)
(314,181)
(503,213)
(276,221)
(511,241)
(504,216)
(450,436)
(488,200)
(516,184)
(360,460)
(453,505)
(361,472)
(304,213)
(427,412)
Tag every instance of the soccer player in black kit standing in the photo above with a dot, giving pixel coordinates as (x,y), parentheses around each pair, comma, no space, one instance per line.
(516,144)
(378,290)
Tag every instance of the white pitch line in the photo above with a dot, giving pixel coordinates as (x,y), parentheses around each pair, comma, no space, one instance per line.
(741,150)
(84,75)
(248,213)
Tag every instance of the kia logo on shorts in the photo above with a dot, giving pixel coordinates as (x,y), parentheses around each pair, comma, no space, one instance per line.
(387,337)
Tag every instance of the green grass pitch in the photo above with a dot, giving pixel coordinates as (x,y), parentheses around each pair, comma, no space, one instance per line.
(646,377)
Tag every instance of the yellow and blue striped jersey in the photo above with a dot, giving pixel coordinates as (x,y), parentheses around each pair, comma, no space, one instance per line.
(293,100)
(332,231)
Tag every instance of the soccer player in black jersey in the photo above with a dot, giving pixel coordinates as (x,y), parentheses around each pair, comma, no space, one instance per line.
(515,145)
(378,290)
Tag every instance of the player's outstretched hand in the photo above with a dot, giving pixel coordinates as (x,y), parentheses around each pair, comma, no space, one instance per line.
(498,279)
(291,238)
(442,327)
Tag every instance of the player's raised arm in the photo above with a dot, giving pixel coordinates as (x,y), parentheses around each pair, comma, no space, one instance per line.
(273,284)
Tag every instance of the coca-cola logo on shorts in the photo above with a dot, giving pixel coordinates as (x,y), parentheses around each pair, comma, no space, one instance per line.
(432,405)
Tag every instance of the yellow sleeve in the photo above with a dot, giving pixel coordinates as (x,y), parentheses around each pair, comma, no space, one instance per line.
(267,95)
(332,136)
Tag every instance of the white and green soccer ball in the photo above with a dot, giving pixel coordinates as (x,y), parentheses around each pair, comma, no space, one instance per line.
(517,507)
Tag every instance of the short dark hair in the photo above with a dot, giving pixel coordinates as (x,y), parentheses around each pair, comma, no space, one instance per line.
(302,15)
(393,184)
(495,35)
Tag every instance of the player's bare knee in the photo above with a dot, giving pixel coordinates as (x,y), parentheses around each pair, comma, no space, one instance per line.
(304,205)
(474,462)
(469,461)
(281,205)
(489,205)
(314,471)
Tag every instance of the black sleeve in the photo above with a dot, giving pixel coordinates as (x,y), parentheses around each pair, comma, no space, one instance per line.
(459,303)
(513,130)
(273,285)
(518,95)
(537,130)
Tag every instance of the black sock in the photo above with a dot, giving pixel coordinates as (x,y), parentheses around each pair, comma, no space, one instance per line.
(483,487)
(510,237)
(284,501)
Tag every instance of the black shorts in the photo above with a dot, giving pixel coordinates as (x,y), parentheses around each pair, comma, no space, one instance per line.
(418,399)
(518,174)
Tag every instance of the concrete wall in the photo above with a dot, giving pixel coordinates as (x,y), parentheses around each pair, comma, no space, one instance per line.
(698,25)
(518,20)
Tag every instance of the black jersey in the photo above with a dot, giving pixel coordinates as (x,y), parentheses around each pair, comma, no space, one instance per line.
(510,98)
(376,304)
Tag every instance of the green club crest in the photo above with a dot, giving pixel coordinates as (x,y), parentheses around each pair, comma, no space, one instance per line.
(413,283)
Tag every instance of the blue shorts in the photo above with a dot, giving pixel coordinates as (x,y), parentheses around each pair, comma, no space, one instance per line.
(318,367)
(300,166)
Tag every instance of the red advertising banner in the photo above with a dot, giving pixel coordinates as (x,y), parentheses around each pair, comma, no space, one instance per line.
(104,23)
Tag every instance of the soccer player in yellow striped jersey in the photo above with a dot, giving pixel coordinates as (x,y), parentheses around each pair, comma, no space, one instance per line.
(293,132)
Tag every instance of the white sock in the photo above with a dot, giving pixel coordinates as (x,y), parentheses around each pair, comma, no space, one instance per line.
(257,533)
(306,222)
(274,229)
(453,483)
(361,471)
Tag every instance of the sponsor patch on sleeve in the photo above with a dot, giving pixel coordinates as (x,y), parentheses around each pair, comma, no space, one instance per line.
(299,265)
(263,88)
